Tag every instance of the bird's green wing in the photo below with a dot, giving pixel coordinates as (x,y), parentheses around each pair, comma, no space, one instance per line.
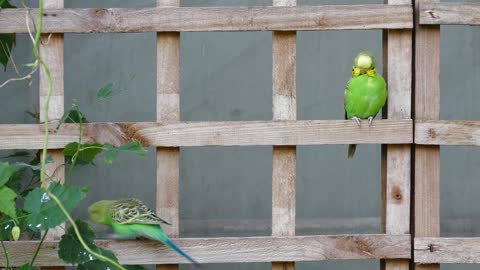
(133,211)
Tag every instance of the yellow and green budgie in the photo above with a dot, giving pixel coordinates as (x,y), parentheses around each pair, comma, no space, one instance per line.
(132,218)
(366,92)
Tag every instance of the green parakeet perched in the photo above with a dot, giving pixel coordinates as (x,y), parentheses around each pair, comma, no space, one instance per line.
(132,218)
(366,92)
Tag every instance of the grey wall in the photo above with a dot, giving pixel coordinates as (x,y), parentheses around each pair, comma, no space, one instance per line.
(227,76)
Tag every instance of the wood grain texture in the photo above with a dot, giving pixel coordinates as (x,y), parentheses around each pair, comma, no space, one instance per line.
(427,107)
(52,52)
(450,13)
(284,169)
(241,133)
(396,163)
(232,249)
(430,250)
(168,110)
(171,19)
(447,132)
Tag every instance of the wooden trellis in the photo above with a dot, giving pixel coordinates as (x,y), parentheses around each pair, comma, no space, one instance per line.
(284,132)
(431,133)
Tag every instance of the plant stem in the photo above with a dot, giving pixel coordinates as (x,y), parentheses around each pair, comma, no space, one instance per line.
(6,256)
(39,246)
(45,144)
(77,232)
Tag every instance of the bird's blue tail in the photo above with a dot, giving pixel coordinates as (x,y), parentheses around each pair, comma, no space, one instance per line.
(173,246)
(155,232)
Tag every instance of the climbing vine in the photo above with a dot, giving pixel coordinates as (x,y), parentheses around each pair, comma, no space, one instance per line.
(31,200)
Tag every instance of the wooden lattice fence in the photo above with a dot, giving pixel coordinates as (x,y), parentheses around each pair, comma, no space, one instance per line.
(405,60)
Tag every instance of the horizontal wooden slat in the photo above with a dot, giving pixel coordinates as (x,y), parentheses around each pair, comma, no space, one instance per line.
(171,19)
(450,13)
(241,133)
(232,250)
(447,250)
(447,132)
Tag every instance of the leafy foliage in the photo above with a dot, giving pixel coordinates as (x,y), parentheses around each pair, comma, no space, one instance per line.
(7,202)
(7,41)
(7,225)
(44,213)
(71,250)
(26,267)
(74,115)
(5,173)
(86,152)
(134,147)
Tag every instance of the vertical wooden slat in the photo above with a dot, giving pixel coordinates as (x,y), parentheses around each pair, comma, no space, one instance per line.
(284,158)
(168,110)
(396,160)
(51,50)
(427,107)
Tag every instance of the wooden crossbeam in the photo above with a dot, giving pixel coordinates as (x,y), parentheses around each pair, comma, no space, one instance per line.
(450,13)
(441,132)
(231,249)
(430,250)
(241,133)
(171,19)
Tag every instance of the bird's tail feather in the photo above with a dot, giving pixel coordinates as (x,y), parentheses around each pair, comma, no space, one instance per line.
(173,246)
(351,150)
(156,233)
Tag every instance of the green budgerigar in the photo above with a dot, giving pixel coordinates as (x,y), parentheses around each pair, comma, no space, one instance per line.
(132,218)
(366,92)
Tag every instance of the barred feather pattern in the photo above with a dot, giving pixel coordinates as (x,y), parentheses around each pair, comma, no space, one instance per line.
(133,211)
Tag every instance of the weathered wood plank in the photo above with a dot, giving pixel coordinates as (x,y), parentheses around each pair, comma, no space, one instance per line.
(168,110)
(427,107)
(232,249)
(284,169)
(242,133)
(396,183)
(450,13)
(52,52)
(171,19)
(447,250)
(447,132)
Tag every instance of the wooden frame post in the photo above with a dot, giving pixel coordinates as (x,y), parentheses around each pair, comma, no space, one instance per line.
(427,107)
(52,52)
(168,110)
(396,163)
(284,157)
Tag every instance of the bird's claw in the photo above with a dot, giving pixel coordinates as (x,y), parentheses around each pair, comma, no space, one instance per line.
(370,120)
(357,120)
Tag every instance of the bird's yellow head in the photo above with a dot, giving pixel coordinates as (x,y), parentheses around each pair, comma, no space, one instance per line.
(365,61)
(98,212)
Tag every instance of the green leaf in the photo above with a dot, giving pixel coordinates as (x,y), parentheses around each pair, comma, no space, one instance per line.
(18,154)
(6,4)
(44,213)
(105,92)
(26,267)
(95,265)
(5,173)
(7,202)
(7,224)
(134,147)
(7,41)
(87,153)
(71,250)
(73,116)
(135,267)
